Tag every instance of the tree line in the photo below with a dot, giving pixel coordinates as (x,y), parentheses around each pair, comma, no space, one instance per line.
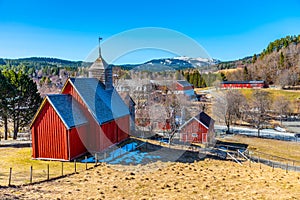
(19,101)
(194,78)
(281,43)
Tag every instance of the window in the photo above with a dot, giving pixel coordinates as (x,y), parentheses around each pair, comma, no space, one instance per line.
(194,135)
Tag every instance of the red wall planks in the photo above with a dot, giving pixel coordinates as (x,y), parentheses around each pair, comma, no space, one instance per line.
(194,127)
(77,138)
(49,135)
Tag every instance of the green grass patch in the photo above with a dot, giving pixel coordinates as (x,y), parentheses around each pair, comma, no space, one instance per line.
(20,160)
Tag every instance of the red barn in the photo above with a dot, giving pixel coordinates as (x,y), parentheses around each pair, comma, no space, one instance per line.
(243,84)
(86,116)
(198,129)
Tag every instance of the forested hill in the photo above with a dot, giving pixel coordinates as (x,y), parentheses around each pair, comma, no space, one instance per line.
(278,63)
(40,62)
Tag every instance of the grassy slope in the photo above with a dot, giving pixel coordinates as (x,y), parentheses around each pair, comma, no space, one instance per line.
(290,95)
(288,150)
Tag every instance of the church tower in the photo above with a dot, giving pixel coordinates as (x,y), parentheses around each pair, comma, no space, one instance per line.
(102,71)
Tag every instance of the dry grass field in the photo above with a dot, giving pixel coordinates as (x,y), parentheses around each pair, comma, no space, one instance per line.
(207,179)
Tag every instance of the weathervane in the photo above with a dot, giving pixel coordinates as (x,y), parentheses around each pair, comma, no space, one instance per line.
(100,38)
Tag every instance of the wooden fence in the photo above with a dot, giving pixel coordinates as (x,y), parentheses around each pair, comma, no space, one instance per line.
(16,176)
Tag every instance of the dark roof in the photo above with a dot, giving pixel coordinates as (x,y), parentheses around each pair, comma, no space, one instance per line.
(127,98)
(242,82)
(184,83)
(204,118)
(104,105)
(68,110)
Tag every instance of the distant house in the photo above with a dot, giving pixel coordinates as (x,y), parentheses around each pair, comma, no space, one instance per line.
(185,88)
(243,84)
(198,129)
(88,115)
(178,87)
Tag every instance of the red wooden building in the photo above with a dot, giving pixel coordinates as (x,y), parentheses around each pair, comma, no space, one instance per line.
(198,129)
(243,84)
(182,85)
(86,116)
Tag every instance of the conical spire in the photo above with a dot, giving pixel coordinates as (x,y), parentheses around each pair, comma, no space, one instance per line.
(98,67)
(101,70)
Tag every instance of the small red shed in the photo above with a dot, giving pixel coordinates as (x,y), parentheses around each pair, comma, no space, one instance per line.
(198,129)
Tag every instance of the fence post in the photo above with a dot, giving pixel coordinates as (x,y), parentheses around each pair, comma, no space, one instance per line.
(86,163)
(30,180)
(272,167)
(48,171)
(75,166)
(9,178)
(62,168)
(96,159)
(286,169)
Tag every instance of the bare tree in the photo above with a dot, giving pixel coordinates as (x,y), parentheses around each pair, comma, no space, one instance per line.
(228,106)
(282,106)
(283,78)
(260,106)
(288,77)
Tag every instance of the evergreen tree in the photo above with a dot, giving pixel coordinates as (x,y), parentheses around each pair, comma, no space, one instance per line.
(25,99)
(187,76)
(195,80)
(281,61)
(223,76)
(246,74)
(254,58)
(6,93)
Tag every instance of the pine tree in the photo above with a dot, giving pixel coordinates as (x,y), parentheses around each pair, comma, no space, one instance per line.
(187,76)
(281,61)
(254,58)
(246,74)
(6,93)
(223,76)
(24,100)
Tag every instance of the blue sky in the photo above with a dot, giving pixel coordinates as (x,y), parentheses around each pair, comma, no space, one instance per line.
(70,29)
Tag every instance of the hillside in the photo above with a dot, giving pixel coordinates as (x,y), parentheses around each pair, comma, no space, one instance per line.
(208,179)
(40,62)
(278,64)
